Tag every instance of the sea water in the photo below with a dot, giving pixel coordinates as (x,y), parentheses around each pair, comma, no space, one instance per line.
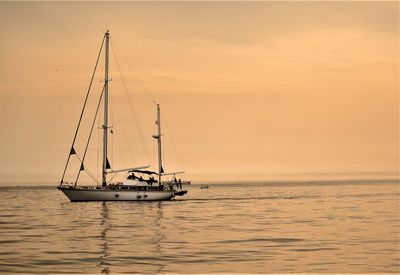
(259,227)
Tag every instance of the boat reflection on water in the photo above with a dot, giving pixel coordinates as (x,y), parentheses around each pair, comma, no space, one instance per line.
(109,256)
(159,237)
(106,226)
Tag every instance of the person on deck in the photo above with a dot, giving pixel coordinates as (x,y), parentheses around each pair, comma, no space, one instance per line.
(180,183)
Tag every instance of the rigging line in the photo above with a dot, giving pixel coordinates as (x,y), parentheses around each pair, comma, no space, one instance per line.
(98,152)
(116,124)
(118,140)
(135,75)
(83,109)
(154,154)
(91,130)
(99,143)
(88,172)
(136,121)
(113,177)
(130,151)
(173,143)
(154,148)
(112,124)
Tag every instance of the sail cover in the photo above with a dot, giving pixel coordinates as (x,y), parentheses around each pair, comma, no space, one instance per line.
(143,172)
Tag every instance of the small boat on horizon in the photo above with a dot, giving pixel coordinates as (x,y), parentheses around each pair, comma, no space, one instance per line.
(140,184)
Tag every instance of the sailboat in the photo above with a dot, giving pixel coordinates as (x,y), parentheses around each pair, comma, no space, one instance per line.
(140,184)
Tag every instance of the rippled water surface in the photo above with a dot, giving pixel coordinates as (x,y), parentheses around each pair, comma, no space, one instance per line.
(346,227)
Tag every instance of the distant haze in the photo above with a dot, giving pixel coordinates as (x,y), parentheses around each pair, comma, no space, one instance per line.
(249,90)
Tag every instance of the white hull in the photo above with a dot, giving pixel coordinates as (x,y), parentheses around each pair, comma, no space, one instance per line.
(75,194)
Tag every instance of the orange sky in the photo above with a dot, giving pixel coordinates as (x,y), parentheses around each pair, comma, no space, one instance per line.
(248,90)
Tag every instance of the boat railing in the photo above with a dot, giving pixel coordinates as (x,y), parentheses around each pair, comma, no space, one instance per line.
(89,187)
(118,187)
(81,187)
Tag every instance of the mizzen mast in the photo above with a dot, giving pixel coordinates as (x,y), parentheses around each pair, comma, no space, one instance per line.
(160,169)
(158,137)
(105,125)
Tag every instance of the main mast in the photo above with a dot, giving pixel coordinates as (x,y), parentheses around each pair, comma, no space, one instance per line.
(105,125)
